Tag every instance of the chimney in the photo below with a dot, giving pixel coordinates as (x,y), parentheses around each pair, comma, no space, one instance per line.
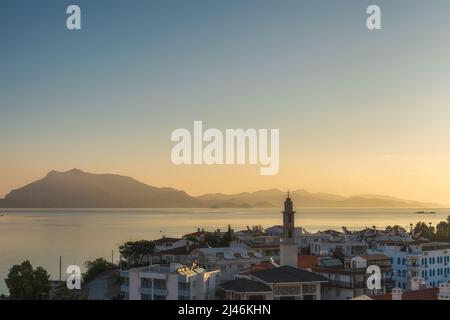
(397,294)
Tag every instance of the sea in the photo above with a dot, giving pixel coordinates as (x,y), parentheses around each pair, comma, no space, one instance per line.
(42,236)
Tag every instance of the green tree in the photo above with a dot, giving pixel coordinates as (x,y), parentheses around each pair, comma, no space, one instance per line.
(94,268)
(26,283)
(396,229)
(258,228)
(135,251)
(427,231)
(443,230)
(228,237)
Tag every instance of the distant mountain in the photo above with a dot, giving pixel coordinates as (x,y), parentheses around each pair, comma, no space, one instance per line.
(78,189)
(302,198)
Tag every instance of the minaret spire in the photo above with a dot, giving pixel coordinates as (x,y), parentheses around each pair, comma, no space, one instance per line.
(288,247)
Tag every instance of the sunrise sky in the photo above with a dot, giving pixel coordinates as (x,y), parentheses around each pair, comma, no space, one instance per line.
(358,111)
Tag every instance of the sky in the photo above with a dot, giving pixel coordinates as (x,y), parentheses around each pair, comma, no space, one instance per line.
(359,111)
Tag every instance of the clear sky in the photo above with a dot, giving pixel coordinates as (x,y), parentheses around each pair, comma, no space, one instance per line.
(358,111)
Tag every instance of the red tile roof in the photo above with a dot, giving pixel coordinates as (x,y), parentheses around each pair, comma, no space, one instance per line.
(307,262)
(425,294)
(374,257)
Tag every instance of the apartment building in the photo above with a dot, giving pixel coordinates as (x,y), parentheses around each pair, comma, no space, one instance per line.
(348,280)
(169,282)
(229,260)
(428,260)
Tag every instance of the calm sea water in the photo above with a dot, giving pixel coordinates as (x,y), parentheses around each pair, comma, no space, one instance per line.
(41,236)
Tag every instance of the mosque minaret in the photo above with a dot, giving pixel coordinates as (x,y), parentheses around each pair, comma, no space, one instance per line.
(288,247)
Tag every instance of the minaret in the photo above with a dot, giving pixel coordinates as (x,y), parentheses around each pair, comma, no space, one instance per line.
(288,247)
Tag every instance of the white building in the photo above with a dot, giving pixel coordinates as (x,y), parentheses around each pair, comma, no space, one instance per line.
(428,260)
(230,260)
(322,246)
(166,243)
(278,231)
(279,283)
(267,246)
(169,282)
(349,279)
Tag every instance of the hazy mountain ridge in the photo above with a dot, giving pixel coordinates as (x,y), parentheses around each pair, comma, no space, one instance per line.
(78,189)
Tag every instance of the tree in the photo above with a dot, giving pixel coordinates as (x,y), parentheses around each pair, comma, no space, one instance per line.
(443,230)
(425,230)
(26,283)
(135,251)
(94,268)
(228,237)
(396,229)
(258,228)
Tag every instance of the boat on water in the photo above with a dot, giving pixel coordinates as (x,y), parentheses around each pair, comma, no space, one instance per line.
(425,212)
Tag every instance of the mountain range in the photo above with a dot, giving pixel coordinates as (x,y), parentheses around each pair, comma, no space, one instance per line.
(78,189)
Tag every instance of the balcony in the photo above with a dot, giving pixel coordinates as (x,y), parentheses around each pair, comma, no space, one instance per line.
(184,292)
(413,265)
(146,290)
(160,291)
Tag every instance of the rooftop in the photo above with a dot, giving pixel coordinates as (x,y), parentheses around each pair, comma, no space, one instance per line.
(286,274)
(166,240)
(307,262)
(375,257)
(245,285)
(179,250)
(425,294)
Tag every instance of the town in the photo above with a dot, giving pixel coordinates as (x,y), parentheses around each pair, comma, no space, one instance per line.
(281,262)
(287,262)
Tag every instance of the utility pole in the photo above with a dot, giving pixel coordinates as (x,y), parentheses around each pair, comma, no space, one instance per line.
(60,267)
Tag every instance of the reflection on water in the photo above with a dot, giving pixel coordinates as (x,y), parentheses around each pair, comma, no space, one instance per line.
(79,235)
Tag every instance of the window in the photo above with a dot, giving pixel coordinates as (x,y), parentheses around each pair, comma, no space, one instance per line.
(125,281)
(146,297)
(159,283)
(289,233)
(183,285)
(146,283)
